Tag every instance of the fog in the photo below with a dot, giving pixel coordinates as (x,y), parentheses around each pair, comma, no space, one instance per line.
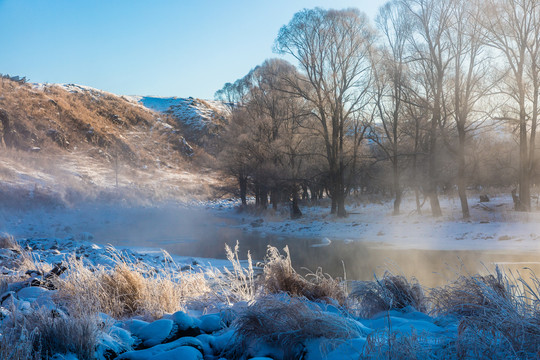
(202,233)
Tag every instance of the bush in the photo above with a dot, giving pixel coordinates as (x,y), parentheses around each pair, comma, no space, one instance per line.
(16,260)
(471,295)
(498,315)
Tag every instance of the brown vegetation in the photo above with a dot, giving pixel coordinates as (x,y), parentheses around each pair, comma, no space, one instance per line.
(126,290)
(74,144)
(280,277)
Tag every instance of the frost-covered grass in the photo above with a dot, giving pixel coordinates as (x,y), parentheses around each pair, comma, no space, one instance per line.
(128,289)
(42,333)
(264,309)
(286,324)
(387,293)
(279,276)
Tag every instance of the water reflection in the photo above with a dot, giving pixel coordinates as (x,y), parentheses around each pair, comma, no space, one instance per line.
(358,260)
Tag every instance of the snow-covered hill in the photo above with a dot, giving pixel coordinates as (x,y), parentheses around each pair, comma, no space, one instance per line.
(199,119)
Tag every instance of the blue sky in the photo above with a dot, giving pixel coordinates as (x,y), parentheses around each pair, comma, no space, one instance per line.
(142,47)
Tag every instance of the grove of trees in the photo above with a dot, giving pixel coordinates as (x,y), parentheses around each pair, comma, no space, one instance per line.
(435,95)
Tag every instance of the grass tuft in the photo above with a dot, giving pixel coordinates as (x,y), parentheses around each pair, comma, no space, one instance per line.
(43,333)
(280,277)
(389,292)
(286,323)
(127,290)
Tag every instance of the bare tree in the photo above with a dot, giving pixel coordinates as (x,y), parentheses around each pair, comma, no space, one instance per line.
(332,48)
(390,86)
(265,138)
(514,30)
(468,85)
(234,156)
(431,19)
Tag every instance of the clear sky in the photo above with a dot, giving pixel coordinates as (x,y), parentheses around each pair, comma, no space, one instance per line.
(146,47)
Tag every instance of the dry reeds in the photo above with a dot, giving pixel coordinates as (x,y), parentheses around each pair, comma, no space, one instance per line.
(43,333)
(471,295)
(498,315)
(241,279)
(127,290)
(18,260)
(389,292)
(279,276)
(18,344)
(287,323)
(8,242)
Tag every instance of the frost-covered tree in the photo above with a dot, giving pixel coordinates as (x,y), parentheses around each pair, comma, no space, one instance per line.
(332,48)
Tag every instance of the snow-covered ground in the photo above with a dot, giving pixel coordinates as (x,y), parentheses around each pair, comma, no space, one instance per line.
(493,225)
(52,235)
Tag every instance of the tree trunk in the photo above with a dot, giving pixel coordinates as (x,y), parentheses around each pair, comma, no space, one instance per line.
(461,184)
(264,196)
(305,194)
(340,202)
(341,191)
(396,187)
(242,182)
(296,213)
(274,198)
(524,178)
(418,204)
(257,194)
(432,172)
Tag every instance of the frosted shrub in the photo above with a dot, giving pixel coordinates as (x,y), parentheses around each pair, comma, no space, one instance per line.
(44,333)
(286,323)
(279,276)
(389,292)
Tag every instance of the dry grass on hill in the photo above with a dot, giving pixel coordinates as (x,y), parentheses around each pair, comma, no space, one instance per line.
(55,120)
(69,144)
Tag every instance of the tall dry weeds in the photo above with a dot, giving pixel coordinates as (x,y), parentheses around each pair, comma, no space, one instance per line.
(127,290)
(241,279)
(18,344)
(387,293)
(499,315)
(279,276)
(17,260)
(43,333)
(286,323)
(471,295)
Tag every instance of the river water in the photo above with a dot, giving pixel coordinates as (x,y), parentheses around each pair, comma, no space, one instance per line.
(204,234)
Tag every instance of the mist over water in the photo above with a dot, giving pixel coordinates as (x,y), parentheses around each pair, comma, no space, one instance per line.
(201,233)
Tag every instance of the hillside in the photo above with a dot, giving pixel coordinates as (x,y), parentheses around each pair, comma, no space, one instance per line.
(76,141)
(200,120)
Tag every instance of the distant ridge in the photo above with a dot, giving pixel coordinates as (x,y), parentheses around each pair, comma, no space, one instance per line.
(200,120)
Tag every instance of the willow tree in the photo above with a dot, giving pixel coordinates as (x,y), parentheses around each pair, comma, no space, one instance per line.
(332,48)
